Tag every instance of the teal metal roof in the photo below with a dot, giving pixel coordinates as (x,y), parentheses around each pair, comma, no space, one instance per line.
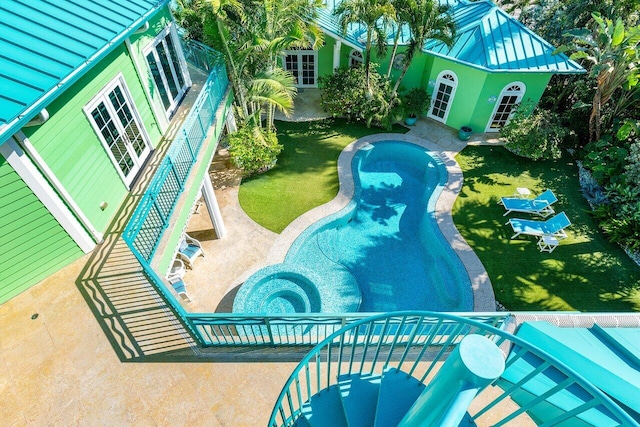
(487,38)
(46,45)
(490,39)
(608,357)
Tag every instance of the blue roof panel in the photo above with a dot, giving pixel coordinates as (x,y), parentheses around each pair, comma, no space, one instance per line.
(487,38)
(502,43)
(46,44)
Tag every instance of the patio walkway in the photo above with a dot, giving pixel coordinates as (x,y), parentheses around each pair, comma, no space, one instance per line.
(59,366)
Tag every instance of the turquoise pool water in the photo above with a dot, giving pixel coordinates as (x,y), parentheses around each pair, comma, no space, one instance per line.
(382,252)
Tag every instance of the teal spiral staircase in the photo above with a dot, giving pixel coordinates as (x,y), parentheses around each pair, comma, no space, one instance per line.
(429,369)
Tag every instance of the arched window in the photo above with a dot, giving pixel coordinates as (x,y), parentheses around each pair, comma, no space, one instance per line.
(443,93)
(509,98)
(355,58)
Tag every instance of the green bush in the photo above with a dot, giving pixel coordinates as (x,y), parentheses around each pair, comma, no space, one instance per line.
(415,102)
(344,94)
(253,150)
(536,136)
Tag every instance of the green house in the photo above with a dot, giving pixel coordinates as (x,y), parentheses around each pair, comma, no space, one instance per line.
(494,64)
(88,97)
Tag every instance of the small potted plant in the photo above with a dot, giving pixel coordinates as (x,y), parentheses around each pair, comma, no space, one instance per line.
(415,103)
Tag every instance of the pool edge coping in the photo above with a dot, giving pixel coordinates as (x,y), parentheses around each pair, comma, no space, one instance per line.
(482,289)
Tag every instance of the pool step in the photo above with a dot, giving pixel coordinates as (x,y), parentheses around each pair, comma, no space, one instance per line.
(362,400)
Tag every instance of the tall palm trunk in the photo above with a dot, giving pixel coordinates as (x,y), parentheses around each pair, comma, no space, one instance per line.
(234,77)
(396,39)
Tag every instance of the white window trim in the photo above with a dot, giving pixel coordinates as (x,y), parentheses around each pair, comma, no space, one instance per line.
(523,90)
(315,64)
(357,58)
(454,83)
(93,103)
(181,61)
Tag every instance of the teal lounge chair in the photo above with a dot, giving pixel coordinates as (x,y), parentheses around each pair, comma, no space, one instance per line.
(176,279)
(553,226)
(189,250)
(541,205)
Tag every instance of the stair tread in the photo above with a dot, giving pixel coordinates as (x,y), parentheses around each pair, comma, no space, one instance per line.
(359,398)
(325,409)
(301,422)
(398,391)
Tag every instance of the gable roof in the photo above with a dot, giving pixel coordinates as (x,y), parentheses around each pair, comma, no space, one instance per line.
(46,45)
(487,38)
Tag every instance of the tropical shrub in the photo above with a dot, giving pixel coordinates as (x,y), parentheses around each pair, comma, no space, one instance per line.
(620,219)
(344,94)
(253,149)
(606,159)
(536,136)
(415,102)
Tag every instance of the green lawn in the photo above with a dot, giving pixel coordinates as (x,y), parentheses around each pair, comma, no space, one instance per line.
(585,273)
(306,173)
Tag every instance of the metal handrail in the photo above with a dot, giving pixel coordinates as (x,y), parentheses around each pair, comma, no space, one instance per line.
(416,343)
(152,215)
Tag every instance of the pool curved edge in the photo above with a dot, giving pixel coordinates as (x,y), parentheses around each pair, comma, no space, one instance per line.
(483,295)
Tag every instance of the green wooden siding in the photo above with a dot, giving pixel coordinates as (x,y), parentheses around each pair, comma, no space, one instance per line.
(73,150)
(33,244)
(325,58)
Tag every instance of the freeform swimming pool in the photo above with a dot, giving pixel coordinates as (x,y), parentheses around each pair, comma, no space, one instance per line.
(382,252)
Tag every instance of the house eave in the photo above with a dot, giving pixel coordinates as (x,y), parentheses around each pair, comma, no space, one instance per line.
(13,126)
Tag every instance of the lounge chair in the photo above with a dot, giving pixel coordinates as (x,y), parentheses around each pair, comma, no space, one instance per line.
(541,205)
(553,226)
(189,250)
(176,279)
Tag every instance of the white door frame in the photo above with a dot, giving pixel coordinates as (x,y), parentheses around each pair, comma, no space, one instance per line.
(300,77)
(510,96)
(177,78)
(125,147)
(446,79)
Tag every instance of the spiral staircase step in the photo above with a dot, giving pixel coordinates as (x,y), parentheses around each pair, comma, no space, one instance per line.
(359,398)
(324,409)
(398,391)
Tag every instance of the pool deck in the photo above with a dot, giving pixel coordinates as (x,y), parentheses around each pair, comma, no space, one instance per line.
(57,366)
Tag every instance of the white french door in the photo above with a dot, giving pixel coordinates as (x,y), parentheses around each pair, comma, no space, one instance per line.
(505,107)
(117,123)
(303,64)
(443,93)
(168,69)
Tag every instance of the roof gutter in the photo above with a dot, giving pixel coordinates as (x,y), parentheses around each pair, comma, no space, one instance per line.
(16,124)
(519,70)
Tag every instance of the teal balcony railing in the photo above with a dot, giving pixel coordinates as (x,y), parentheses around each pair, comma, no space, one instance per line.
(344,376)
(151,217)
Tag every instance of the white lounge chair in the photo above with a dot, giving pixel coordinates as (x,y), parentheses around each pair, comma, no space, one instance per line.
(176,279)
(189,250)
(553,226)
(541,205)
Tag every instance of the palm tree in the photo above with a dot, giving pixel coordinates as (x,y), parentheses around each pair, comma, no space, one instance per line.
(427,20)
(613,52)
(223,13)
(282,25)
(375,15)
(401,8)
(268,91)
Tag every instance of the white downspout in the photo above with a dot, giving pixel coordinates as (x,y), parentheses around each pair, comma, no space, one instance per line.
(31,151)
(336,54)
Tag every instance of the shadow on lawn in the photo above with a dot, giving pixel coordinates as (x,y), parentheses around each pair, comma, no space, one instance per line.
(585,273)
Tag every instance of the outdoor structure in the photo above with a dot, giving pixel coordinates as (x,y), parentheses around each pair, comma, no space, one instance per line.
(494,64)
(89,96)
